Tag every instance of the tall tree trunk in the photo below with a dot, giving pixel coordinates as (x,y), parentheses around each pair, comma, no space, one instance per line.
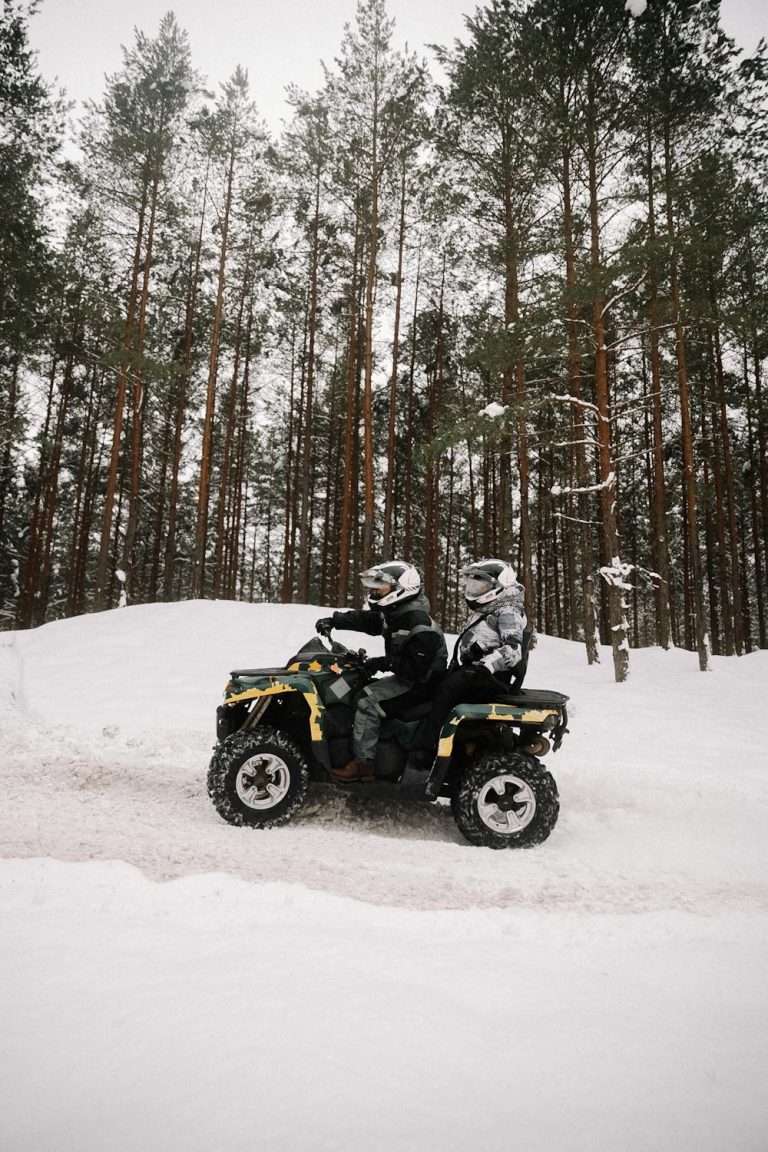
(348,499)
(607,475)
(306,518)
(204,485)
(432,478)
(725,438)
(83,475)
(224,494)
(583,529)
(52,492)
(369,510)
(660,549)
(181,394)
(240,510)
(408,531)
(138,389)
(30,572)
(755,516)
(298,456)
(101,590)
(389,502)
(689,467)
(286,592)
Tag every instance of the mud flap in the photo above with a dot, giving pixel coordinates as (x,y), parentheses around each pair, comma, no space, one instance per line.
(437,777)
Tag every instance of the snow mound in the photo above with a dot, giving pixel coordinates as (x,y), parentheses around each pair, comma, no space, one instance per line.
(108,723)
(605,990)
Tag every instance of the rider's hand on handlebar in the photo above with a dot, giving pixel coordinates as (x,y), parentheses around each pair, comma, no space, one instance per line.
(376,664)
(324,626)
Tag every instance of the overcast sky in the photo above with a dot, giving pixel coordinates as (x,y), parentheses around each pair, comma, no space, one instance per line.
(278,41)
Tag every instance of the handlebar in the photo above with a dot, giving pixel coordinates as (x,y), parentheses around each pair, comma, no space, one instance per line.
(357,656)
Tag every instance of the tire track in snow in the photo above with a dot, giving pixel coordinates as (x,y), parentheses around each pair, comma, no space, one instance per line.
(132,802)
(12,690)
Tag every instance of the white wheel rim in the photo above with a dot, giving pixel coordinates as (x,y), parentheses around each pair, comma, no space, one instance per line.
(506,804)
(262,781)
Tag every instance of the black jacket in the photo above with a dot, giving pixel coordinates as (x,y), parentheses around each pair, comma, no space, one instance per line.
(413,643)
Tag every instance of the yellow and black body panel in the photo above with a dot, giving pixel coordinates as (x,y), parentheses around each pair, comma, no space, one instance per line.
(313,666)
(506,713)
(542,710)
(245,689)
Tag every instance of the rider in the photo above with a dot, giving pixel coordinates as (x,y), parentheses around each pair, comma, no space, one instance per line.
(415,652)
(485,655)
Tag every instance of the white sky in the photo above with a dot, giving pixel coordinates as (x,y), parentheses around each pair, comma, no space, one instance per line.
(279,41)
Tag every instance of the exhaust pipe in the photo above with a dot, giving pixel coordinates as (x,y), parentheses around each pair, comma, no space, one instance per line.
(537,745)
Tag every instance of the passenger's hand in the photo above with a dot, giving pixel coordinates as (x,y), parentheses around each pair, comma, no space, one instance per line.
(324,626)
(472,654)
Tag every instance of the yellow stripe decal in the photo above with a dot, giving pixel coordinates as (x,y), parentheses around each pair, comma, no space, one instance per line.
(315,729)
(508,715)
(254,693)
(313,703)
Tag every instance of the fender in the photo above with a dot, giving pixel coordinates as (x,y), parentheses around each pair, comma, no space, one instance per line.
(278,686)
(549,716)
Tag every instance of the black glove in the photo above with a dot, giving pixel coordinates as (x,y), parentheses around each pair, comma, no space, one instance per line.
(376,664)
(479,670)
(324,626)
(473,653)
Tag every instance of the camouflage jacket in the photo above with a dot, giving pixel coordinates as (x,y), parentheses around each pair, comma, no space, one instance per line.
(494,636)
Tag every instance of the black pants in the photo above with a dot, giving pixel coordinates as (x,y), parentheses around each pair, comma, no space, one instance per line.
(460,686)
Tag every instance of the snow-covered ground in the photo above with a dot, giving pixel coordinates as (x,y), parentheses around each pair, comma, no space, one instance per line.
(362,978)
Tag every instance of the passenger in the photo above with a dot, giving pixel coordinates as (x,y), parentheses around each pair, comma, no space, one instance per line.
(415,654)
(487,652)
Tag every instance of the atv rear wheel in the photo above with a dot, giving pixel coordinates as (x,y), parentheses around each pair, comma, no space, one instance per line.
(506,801)
(258,778)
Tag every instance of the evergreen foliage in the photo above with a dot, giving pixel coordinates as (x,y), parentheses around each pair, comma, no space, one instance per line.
(522,314)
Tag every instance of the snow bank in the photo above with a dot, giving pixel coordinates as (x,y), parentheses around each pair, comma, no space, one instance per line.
(212,1014)
(362,978)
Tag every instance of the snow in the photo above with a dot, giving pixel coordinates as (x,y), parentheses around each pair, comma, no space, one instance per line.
(609,482)
(636,7)
(617,574)
(362,977)
(493,410)
(122,580)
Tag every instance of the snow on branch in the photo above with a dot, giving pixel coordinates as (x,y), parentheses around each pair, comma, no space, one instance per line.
(639,332)
(623,292)
(609,482)
(580,404)
(573,519)
(493,410)
(615,574)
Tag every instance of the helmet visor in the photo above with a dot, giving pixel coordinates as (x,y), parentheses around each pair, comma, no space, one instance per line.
(476,585)
(376,582)
(377,586)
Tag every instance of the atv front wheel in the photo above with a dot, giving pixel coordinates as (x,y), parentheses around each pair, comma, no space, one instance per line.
(506,801)
(258,778)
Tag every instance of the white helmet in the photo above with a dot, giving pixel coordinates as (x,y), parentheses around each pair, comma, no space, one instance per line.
(485,581)
(390,583)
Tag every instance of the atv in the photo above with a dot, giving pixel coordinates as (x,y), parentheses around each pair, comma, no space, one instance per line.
(279,728)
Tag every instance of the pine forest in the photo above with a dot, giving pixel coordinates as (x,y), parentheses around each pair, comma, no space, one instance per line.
(506,299)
